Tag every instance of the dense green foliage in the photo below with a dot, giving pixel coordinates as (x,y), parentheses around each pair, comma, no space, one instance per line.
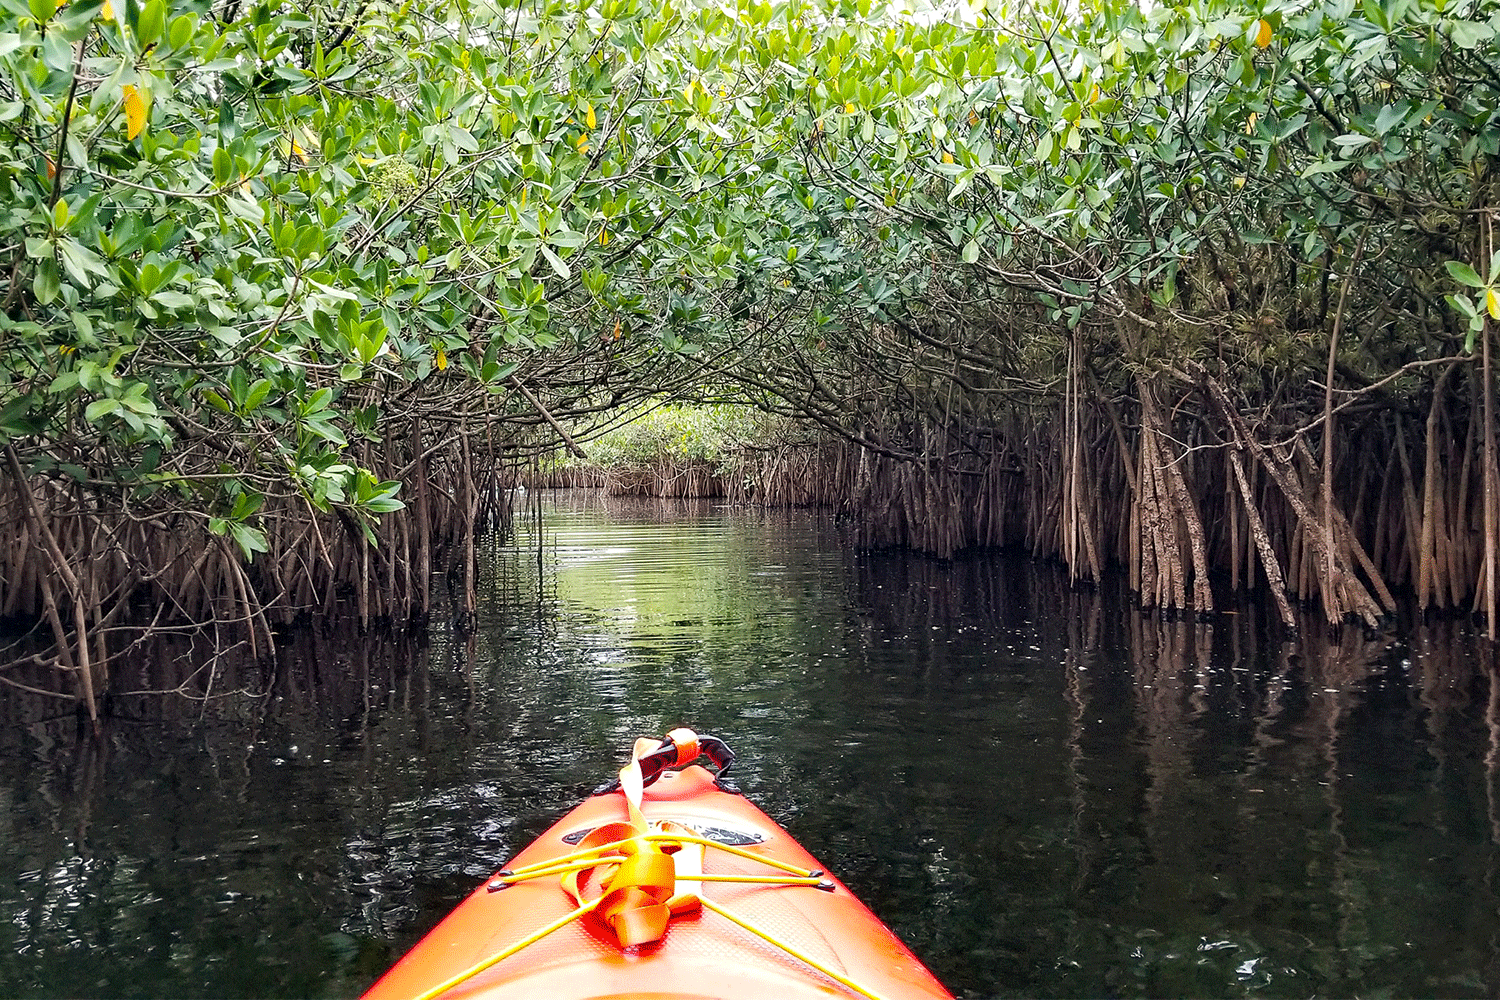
(323,199)
(1184,179)
(320,207)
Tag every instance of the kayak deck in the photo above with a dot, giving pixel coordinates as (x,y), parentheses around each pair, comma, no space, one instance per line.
(701,954)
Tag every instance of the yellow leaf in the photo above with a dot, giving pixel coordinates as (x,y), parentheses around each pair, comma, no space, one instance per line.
(1262,33)
(1250,122)
(583,143)
(590,119)
(524,187)
(107,11)
(617,328)
(603,236)
(973,117)
(135,112)
(299,152)
(947,156)
(441,360)
(244,184)
(1492,301)
(1094,94)
(849,108)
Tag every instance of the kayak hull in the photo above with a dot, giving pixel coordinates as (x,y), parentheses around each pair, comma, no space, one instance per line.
(702,954)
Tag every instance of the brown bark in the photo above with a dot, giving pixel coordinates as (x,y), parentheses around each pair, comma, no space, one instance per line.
(424,522)
(1486,588)
(60,566)
(1262,543)
(1279,466)
(1428,583)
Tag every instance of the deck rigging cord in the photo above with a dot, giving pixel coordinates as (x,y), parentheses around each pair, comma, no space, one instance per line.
(646,872)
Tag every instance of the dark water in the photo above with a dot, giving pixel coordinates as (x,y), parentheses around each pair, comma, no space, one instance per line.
(1042,791)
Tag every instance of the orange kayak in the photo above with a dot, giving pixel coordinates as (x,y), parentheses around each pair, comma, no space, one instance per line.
(665,886)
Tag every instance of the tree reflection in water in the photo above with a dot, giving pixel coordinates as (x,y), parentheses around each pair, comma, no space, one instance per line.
(1044,791)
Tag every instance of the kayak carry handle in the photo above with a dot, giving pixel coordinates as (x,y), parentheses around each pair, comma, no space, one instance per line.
(678,749)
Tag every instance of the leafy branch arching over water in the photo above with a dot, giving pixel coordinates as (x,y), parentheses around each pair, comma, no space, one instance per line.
(265,264)
(1166,286)
(288,290)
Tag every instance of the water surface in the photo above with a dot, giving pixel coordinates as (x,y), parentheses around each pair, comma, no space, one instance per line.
(1044,792)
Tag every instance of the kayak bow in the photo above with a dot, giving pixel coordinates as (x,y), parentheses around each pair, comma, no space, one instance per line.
(663,885)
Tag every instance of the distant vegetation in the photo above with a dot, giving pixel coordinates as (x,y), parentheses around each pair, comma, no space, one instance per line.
(658,445)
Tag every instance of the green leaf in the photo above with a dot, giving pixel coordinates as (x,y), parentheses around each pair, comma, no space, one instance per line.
(81,263)
(257,394)
(57,54)
(239,385)
(181,31)
(971,251)
(244,207)
(1389,115)
(172,301)
(152,21)
(250,540)
(1463,273)
(1466,34)
(1325,167)
(99,408)
(16,419)
(557,263)
(324,429)
(245,504)
(47,282)
(223,166)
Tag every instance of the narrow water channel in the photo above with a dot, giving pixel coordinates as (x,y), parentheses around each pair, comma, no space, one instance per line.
(1044,792)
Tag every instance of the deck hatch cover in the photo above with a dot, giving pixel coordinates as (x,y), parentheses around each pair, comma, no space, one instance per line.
(719,834)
